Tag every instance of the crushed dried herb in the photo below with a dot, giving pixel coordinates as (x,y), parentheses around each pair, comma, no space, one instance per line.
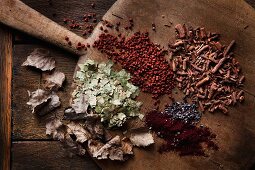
(107,92)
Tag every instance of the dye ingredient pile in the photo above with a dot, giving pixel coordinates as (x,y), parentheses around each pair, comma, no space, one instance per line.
(143,59)
(177,126)
(206,71)
(105,99)
(105,91)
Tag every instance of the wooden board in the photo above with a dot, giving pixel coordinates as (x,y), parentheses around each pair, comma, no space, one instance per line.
(5,96)
(236,132)
(46,155)
(29,127)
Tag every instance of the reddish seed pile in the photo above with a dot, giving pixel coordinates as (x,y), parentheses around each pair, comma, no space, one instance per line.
(142,58)
(185,138)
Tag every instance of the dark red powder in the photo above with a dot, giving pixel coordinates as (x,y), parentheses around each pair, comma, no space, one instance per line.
(142,58)
(184,138)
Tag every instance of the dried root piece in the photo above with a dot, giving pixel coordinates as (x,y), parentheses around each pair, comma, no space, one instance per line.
(141,137)
(53,81)
(40,58)
(207,71)
(43,102)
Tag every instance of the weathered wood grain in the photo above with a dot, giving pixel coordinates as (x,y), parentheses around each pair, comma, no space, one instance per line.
(5,96)
(251,2)
(45,155)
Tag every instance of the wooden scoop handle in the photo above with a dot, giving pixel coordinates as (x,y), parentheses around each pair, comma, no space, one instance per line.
(18,15)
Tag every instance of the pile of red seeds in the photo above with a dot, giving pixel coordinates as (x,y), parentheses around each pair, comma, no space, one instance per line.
(142,58)
(180,136)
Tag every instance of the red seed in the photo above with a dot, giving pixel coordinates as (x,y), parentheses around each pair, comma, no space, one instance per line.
(93,5)
(67,38)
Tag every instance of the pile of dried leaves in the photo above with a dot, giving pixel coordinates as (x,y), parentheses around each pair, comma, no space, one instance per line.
(101,95)
(43,101)
(90,135)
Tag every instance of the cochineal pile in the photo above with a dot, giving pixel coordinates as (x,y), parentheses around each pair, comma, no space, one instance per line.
(142,58)
(180,135)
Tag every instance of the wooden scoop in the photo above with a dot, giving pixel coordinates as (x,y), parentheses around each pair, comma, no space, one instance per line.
(18,15)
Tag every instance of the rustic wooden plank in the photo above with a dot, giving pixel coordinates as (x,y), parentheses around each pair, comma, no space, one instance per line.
(25,124)
(58,10)
(251,2)
(5,96)
(46,155)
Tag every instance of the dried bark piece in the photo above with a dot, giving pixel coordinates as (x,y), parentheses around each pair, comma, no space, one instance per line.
(141,137)
(43,102)
(81,134)
(181,30)
(40,58)
(53,81)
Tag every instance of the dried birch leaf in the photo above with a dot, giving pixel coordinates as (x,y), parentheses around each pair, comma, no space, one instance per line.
(141,137)
(69,114)
(127,146)
(56,129)
(40,58)
(73,146)
(111,149)
(53,81)
(116,154)
(80,104)
(95,127)
(81,134)
(94,146)
(38,99)
(43,102)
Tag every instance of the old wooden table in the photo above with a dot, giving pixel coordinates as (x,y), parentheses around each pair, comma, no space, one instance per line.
(30,147)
